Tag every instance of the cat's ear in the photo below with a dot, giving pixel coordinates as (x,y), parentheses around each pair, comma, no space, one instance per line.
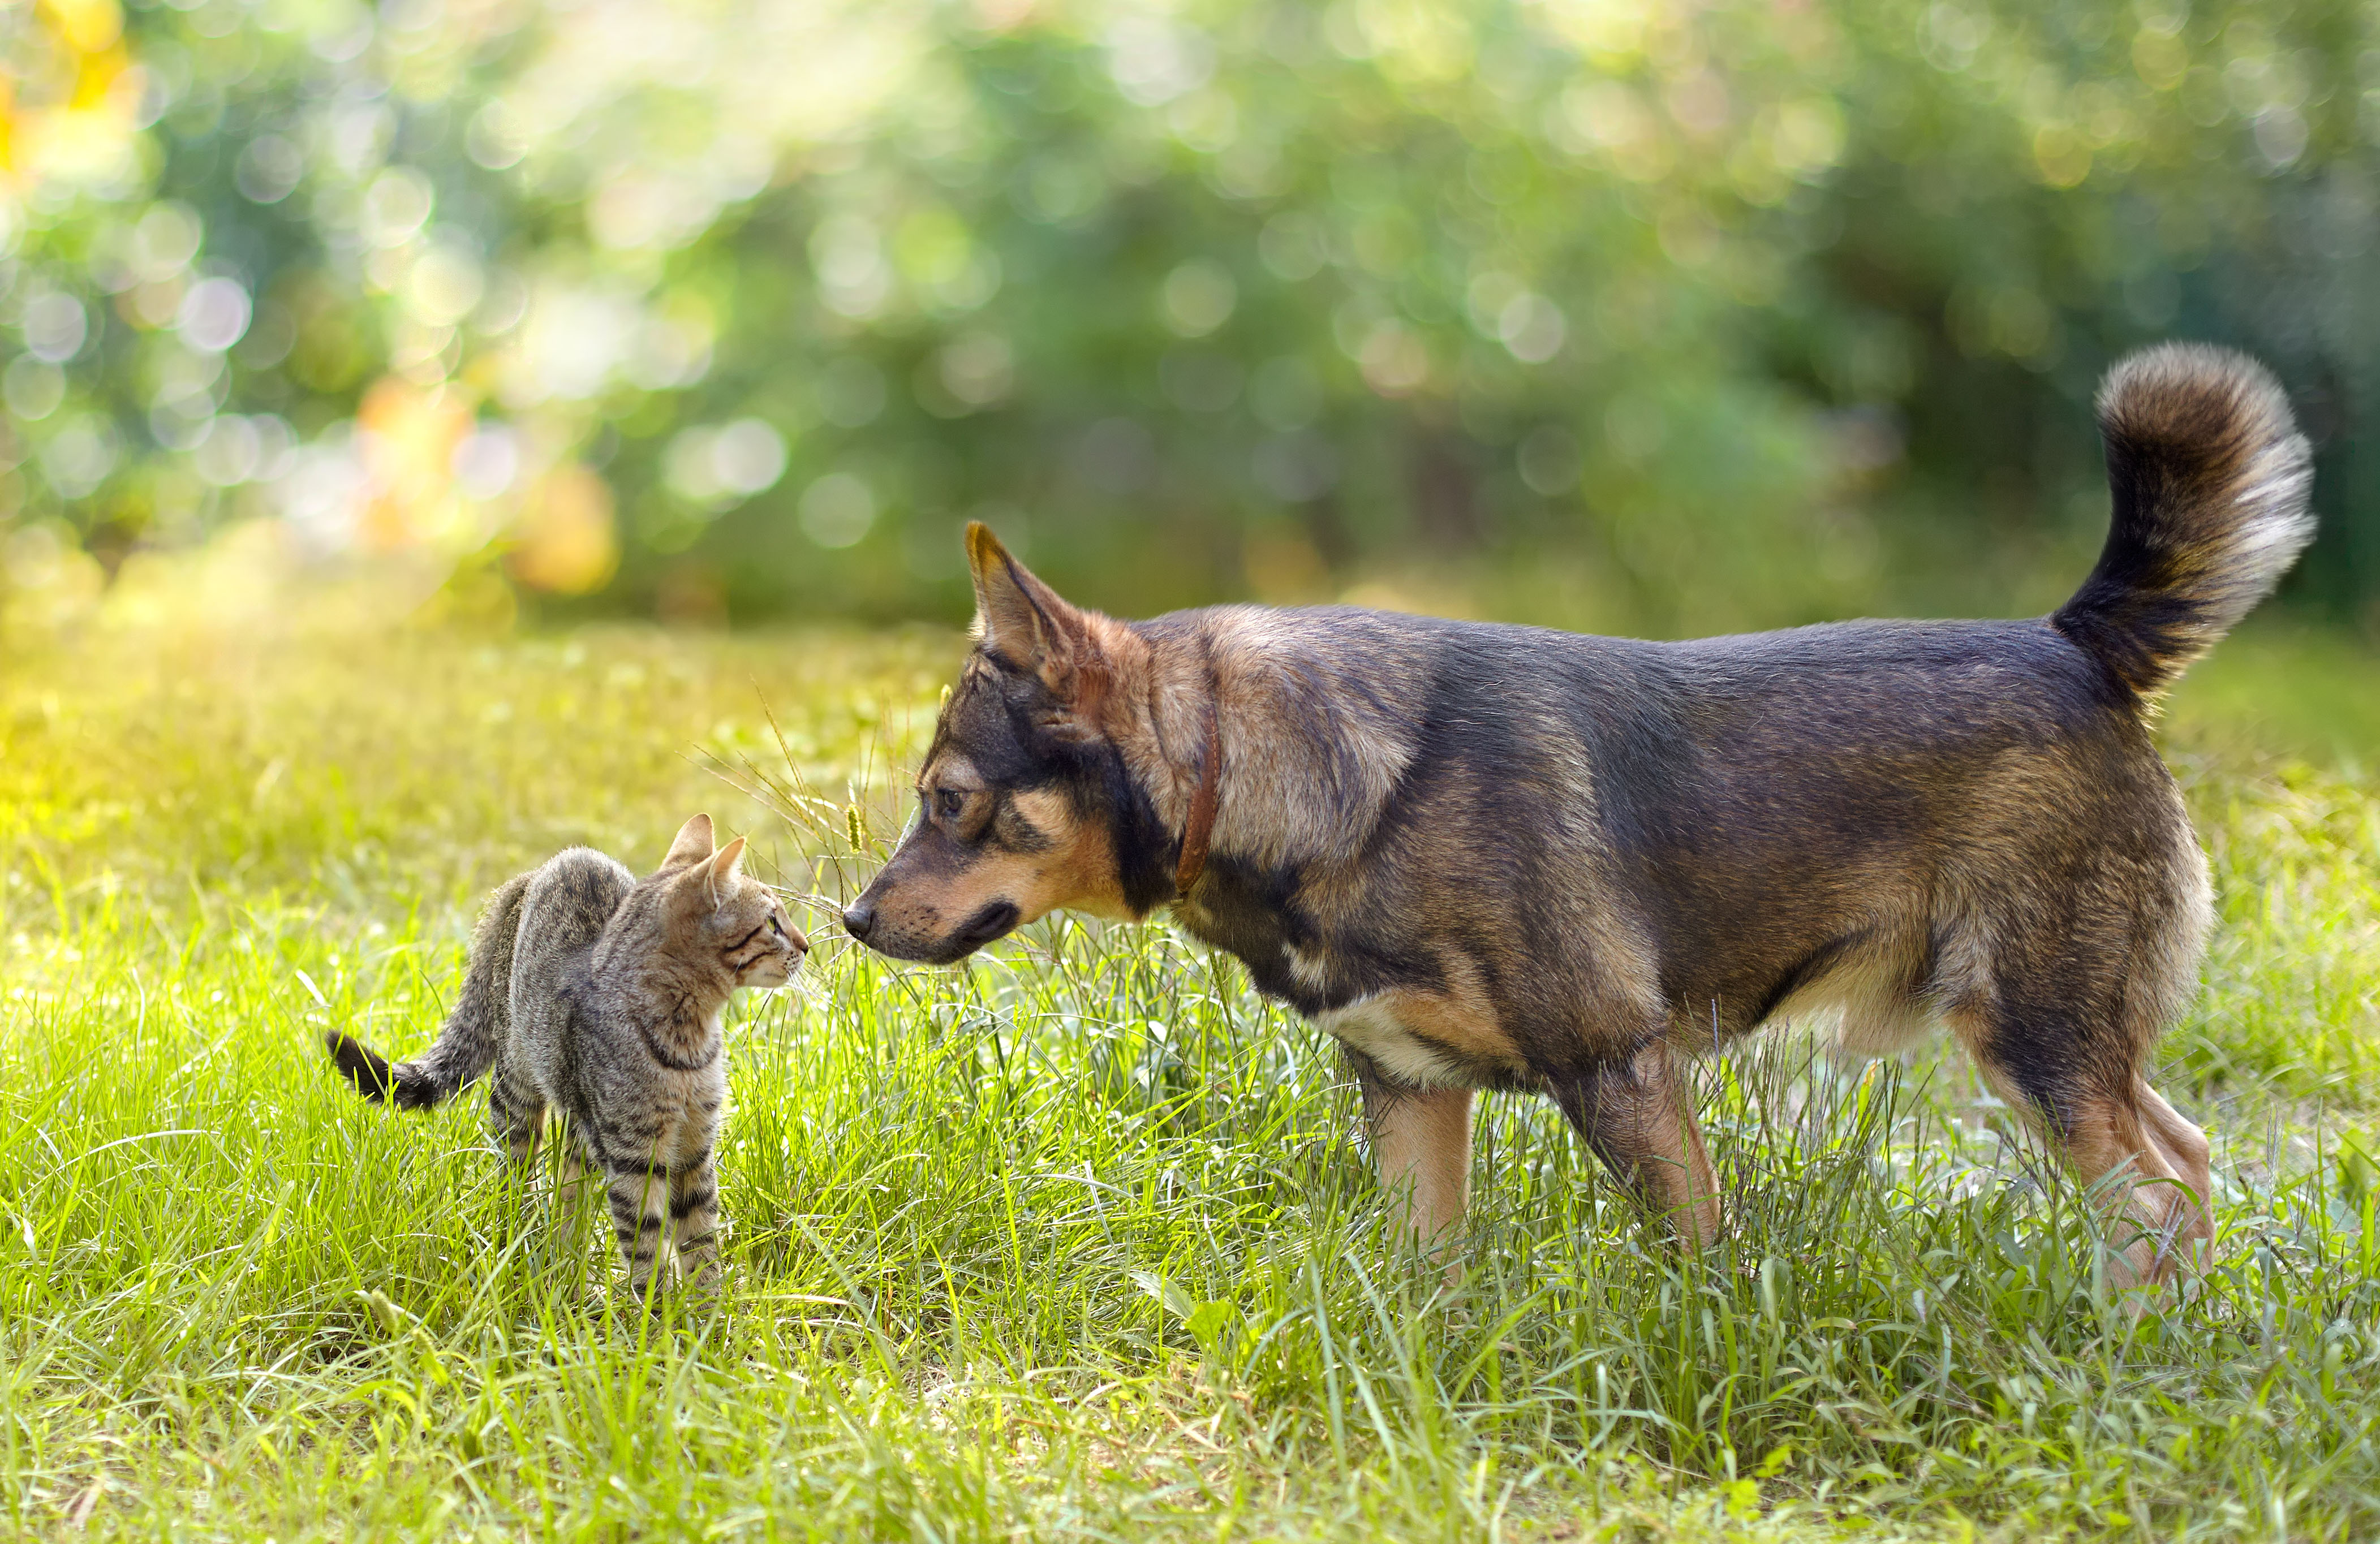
(692,846)
(722,869)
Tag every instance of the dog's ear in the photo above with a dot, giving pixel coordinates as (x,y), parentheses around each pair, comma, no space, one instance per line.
(1025,622)
(692,846)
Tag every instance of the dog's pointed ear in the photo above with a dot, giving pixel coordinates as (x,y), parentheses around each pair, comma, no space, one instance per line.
(1019,618)
(722,869)
(692,846)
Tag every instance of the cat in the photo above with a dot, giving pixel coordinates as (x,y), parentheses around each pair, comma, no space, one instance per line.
(597,995)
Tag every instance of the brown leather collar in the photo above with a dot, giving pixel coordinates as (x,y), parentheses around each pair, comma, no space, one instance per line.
(1201,829)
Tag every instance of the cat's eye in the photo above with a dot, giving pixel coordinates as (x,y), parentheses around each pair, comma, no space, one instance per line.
(949,802)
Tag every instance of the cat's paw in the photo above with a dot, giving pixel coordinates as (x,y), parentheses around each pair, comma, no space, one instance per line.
(711,1283)
(631,1301)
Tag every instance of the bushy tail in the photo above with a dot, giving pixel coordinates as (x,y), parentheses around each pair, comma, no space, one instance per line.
(473,1033)
(2210,478)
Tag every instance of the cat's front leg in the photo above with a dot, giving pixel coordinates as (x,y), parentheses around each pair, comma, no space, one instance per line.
(694,1221)
(640,1194)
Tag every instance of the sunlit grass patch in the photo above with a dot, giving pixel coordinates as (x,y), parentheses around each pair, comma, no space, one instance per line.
(1076,1241)
(2293,970)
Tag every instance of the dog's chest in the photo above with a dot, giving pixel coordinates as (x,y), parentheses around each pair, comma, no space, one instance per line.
(1258,917)
(1371,1030)
(1349,992)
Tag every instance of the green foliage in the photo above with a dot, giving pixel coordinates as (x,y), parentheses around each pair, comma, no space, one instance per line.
(1075,1241)
(1611,313)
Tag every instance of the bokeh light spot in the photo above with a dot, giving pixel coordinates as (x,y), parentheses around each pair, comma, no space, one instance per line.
(1197,297)
(53,326)
(565,541)
(213,315)
(837,510)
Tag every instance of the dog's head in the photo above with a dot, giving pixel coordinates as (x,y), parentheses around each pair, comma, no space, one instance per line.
(1025,805)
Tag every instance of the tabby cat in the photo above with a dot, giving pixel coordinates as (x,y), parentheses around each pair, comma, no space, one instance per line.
(597,995)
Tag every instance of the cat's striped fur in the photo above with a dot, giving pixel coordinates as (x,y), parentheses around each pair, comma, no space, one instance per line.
(597,995)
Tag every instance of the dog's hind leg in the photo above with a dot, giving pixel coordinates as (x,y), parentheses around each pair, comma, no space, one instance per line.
(2072,1072)
(2118,1141)
(2184,1145)
(1638,1117)
(1421,1142)
(2068,943)
(2184,1212)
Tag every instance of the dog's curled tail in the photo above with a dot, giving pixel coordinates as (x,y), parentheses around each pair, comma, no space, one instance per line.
(473,1033)
(2210,478)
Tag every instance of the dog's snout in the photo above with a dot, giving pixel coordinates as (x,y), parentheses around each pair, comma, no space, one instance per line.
(988,923)
(859,920)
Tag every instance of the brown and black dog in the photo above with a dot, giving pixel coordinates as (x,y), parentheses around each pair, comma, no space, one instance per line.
(1496,857)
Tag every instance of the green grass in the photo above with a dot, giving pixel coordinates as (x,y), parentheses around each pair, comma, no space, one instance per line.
(1074,1243)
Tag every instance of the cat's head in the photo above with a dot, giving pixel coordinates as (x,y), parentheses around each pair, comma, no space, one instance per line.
(715,917)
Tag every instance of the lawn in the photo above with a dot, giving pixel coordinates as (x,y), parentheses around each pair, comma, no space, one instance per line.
(1076,1241)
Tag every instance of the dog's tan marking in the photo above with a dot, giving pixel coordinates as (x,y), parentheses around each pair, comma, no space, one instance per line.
(1868,994)
(1421,1143)
(1425,1038)
(1050,812)
(1069,863)
(2184,1145)
(953,771)
(1076,871)
(2159,1223)
(2146,1163)
(1463,1019)
(1375,1027)
(1311,970)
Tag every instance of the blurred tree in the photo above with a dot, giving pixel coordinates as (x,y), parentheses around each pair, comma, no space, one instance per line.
(1660,316)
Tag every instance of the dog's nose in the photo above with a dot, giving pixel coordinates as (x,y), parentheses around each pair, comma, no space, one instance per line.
(859,920)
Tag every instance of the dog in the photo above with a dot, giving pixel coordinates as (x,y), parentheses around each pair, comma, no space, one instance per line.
(1495,857)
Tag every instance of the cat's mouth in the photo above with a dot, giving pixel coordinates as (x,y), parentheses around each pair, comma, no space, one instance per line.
(775,970)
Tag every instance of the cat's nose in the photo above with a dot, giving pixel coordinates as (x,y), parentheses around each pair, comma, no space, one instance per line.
(859,920)
(800,940)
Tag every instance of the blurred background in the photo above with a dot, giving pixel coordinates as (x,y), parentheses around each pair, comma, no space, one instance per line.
(1640,315)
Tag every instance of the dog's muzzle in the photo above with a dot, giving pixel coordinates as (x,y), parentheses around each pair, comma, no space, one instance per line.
(995,920)
(986,925)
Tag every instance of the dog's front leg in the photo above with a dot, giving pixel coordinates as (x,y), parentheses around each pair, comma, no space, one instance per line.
(1637,1116)
(1421,1142)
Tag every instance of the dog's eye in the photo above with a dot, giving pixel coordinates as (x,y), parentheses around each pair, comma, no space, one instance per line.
(949,802)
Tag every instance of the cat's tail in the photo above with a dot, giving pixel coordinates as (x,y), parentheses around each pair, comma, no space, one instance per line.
(473,1033)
